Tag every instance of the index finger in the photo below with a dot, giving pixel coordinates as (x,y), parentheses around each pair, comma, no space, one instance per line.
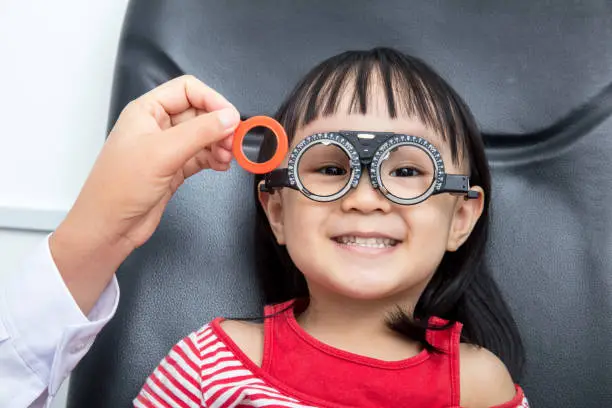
(184,92)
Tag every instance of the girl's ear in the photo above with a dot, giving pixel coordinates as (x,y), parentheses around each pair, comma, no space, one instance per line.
(467,213)
(272,205)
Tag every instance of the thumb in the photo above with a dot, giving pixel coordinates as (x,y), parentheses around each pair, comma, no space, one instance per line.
(181,142)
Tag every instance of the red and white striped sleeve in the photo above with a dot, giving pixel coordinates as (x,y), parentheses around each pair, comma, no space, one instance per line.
(176,380)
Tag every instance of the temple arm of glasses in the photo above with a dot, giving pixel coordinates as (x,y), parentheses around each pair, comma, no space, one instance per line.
(457,184)
(275,180)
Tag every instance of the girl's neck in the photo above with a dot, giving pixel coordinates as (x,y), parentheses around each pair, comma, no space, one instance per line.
(348,315)
(357,326)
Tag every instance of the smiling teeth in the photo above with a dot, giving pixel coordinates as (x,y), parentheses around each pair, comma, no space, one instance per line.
(367,242)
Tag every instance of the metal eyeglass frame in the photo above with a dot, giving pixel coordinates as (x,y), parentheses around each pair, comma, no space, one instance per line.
(366,150)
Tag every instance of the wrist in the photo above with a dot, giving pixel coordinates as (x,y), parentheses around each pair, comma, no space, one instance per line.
(86,259)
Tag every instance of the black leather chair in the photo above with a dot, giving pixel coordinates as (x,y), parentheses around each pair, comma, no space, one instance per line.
(522,66)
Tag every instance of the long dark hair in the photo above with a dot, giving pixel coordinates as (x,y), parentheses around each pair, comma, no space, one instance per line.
(462,289)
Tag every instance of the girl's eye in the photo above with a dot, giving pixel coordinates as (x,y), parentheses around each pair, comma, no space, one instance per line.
(332,171)
(405,172)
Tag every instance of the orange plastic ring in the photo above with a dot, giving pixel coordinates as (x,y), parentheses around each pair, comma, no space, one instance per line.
(282,144)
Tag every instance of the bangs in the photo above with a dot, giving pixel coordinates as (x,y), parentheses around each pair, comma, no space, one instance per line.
(410,88)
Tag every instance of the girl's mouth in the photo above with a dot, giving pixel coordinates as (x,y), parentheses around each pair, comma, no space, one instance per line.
(366,242)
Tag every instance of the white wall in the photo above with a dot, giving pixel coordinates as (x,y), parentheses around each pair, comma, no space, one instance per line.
(56,68)
(57,64)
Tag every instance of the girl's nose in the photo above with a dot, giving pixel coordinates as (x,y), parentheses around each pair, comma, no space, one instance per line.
(365,198)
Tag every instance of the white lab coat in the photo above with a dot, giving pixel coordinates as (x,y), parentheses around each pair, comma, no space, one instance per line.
(43,333)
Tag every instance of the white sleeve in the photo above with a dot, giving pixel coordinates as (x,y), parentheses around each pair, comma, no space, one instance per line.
(43,333)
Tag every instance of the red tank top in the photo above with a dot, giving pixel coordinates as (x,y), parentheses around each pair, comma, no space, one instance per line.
(207,369)
(333,376)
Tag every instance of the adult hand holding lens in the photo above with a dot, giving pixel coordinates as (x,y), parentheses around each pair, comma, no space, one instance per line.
(160,139)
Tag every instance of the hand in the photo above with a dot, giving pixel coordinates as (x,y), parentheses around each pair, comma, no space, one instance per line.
(159,140)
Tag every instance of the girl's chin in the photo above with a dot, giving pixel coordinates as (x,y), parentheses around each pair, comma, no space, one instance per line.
(369,295)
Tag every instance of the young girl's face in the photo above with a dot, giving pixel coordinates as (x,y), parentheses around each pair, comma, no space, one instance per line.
(415,237)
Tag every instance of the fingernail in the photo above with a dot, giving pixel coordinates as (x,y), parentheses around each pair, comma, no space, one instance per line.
(229,118)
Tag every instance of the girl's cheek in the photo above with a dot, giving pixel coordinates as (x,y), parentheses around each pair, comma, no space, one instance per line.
(430,221)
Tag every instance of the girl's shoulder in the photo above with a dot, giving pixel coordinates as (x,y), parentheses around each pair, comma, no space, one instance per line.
(484,380)
(248,336)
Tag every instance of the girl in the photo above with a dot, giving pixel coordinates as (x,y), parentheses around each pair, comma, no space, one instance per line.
(371,240)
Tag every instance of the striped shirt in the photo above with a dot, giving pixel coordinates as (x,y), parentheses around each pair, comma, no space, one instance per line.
(201,371)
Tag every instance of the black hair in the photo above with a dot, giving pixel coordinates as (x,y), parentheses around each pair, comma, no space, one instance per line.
(462,288)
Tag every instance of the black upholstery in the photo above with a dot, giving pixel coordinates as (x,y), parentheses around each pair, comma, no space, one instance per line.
(521,65)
